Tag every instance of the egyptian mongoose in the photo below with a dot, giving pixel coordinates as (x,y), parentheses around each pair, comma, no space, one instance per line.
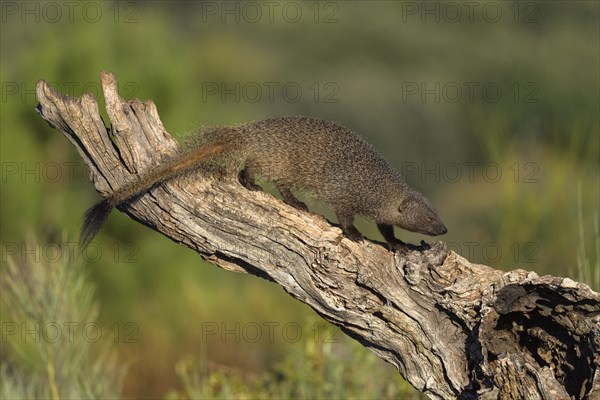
(320,158)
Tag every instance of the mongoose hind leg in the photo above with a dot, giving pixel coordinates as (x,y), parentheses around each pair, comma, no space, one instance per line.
(289,197)
(347,222)
(247,179)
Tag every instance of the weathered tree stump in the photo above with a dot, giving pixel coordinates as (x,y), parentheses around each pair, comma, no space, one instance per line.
(452,328)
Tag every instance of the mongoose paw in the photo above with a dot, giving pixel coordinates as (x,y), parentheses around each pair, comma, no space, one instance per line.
(353,234)
(399,247)
(405,248)
(298,204)
(289,197)
(248,182)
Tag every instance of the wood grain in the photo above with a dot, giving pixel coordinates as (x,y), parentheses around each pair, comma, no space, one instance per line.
(452,328)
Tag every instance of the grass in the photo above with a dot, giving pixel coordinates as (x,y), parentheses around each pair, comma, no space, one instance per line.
(52,345)
(588,270)
(315,369)
(50,352)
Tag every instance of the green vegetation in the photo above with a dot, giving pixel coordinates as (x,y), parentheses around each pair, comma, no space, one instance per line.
(315,370)
(401,79)
(57,349)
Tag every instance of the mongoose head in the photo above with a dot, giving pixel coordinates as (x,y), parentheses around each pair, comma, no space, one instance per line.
(414,212)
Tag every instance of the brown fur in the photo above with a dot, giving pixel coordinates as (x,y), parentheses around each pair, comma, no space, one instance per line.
(318,157)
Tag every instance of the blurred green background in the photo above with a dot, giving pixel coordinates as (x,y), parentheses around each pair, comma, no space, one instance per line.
(491,109)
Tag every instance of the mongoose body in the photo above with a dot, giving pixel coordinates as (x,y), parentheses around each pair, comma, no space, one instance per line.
(317,157)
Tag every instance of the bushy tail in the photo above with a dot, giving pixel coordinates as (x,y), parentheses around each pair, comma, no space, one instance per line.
(93,219)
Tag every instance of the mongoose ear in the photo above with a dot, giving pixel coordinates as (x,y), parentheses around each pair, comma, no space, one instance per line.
(403,204)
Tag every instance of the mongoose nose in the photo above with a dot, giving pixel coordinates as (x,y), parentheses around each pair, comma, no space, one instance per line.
(443,230)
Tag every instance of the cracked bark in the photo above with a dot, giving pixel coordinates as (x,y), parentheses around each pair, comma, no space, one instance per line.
(453,329)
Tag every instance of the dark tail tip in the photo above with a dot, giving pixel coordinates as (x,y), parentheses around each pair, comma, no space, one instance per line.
(93,219)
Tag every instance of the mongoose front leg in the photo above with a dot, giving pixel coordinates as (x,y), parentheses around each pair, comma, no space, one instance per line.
(347,222)
(247,180)
(289,197)
(394,244)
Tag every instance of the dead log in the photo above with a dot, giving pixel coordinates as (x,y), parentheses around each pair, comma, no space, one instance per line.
(452,328)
